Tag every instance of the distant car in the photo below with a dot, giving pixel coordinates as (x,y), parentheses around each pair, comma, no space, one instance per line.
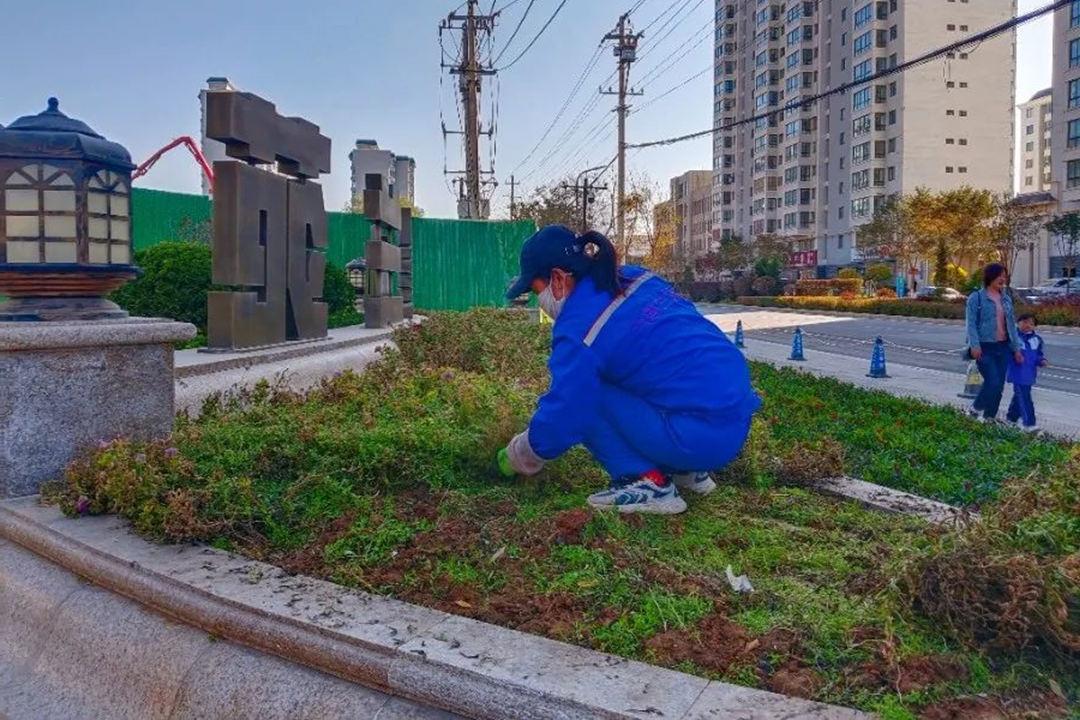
(936,292)
(1053,288)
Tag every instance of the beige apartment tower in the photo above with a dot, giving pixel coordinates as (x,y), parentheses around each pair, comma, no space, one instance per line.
(1035,142)
(816,172)
(1065,130)
(691,199)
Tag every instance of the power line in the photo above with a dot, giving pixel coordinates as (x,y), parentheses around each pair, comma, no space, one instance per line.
(516,31)
(537,37)
(667,92)
(681,5)
(844,87)
(660,68)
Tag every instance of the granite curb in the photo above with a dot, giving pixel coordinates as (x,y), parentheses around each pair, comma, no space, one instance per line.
(445,661)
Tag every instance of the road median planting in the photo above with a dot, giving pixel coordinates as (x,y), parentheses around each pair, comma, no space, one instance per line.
(382,482)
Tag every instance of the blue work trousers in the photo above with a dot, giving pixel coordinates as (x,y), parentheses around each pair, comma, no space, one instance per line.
(993,364)
(632,437)
(1022,406)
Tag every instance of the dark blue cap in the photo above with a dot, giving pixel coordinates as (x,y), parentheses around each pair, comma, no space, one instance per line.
(550,247)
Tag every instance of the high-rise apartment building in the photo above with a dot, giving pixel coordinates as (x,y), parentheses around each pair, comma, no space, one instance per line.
(1035,145)
(1065,130)
(816,172)
(398,171)
(691,201)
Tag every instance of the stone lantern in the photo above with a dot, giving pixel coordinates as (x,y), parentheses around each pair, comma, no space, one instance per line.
(65,219)
(74,368)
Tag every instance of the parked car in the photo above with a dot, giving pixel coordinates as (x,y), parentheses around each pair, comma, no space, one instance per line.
(937,292)
(1053,288)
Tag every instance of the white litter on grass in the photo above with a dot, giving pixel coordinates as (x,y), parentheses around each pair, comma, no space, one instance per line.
(739,583)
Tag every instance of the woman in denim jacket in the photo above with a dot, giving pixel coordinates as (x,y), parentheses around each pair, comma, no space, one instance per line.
(991,339)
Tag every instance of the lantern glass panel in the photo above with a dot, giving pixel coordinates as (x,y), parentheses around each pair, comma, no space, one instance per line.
(98,203)
(23,226)
(59,226)
(23,251)
(99,253)
(99,229)
(119,205)
(59,200)
(21,200)
(121,254)
(60,252)
(55,176)
(119,229)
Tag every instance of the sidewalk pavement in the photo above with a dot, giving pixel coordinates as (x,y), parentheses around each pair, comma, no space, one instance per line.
(1058,413)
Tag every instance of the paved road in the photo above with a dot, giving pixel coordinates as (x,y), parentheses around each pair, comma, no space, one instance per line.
(909,341)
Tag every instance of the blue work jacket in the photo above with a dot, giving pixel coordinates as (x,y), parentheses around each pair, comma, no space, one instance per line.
(655,345)
(1031,345)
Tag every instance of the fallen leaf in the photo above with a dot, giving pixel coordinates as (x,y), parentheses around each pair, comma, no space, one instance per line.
(462,603)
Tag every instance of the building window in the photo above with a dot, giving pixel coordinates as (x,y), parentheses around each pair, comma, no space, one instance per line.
(840,238)
(950,84)
(1028,164)
(1027,181)
(962,141)
(864,42)
(861,99)
(1030,147)
(950,27)
(892,144)
(1074,94)
(1074,14)
(863,70)
(950,112)
(892,173)
(1074,53)
(961,169)
(1029,113)
(1073,136)
(963,28)
(949,141)
(892,33)
(860,207)
(1072,173)
(963,84)
(948,168)
(864,15)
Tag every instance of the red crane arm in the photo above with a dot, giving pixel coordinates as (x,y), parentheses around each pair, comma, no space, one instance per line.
(191,147)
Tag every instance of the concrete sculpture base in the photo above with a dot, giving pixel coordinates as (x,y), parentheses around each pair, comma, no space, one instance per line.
(68,385)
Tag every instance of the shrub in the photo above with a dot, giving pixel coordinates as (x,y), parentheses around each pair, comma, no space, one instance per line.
(879,273)
(818,288)
(338,292)
(848,295)
(741,285)
(764,285)
(174,281)
(886,293)
(848,274)
(1057,313)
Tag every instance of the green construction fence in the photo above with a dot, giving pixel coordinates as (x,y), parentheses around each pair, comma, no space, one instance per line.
(457,264)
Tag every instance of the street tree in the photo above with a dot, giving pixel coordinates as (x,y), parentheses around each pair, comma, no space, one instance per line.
(952,226)
(554,204)
(889,235)
(1014,227)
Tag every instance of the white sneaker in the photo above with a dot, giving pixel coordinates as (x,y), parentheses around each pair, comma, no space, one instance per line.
(640,495)
(700,483)
(1030,428)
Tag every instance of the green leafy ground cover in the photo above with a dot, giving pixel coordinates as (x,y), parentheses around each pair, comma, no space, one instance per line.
(383,482)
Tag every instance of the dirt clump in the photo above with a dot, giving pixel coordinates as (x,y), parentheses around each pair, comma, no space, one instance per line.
(795,679)
(569,526)
(715,644)
(1030,706)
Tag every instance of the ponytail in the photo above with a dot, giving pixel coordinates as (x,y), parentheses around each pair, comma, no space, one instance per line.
(599,262)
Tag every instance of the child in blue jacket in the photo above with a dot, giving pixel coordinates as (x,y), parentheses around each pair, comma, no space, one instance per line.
(1022,375)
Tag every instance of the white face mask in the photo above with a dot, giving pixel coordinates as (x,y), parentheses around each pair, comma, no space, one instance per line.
(549,304)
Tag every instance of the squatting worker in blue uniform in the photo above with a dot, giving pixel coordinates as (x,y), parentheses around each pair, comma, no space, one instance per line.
(652,389)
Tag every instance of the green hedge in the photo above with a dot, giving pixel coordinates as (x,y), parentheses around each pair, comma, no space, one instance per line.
(1061,313)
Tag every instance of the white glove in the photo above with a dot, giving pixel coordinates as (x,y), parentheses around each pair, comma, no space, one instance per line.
(521,455)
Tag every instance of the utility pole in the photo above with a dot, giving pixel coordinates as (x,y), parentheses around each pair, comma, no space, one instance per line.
(625,51)
(470,71)
(583,193)
(512,196)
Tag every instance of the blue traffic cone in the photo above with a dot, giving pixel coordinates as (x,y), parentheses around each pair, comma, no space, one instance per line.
(796,346)
(877,360)
(739,343)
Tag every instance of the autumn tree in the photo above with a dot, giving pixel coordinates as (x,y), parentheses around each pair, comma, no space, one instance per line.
(952,225)
(770,254)
(889,234)
(551,205)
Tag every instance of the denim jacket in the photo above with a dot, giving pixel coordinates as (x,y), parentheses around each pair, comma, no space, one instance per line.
(981,318)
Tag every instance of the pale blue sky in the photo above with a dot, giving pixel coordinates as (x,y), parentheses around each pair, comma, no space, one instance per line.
(132,69)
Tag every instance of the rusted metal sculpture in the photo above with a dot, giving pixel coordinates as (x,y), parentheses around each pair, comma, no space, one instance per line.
(269,229)
(383,305)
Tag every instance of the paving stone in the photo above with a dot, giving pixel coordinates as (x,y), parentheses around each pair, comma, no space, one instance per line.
(30,593)
(105,658)
(721,701)
(895,501)
(232,682)
(515,675)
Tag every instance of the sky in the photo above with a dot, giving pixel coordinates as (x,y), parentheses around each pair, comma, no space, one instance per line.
(132,69)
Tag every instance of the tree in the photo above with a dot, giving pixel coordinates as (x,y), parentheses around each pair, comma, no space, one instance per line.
(771,254)
(355,206)
(1013,228)
(890,234)
(1066,231)
(952,225)
(551,205)
(731,253)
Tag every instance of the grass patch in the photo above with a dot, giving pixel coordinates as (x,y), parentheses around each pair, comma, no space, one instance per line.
(383,482)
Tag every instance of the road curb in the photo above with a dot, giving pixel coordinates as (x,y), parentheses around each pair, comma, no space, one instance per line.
(453,663)
(853,315)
